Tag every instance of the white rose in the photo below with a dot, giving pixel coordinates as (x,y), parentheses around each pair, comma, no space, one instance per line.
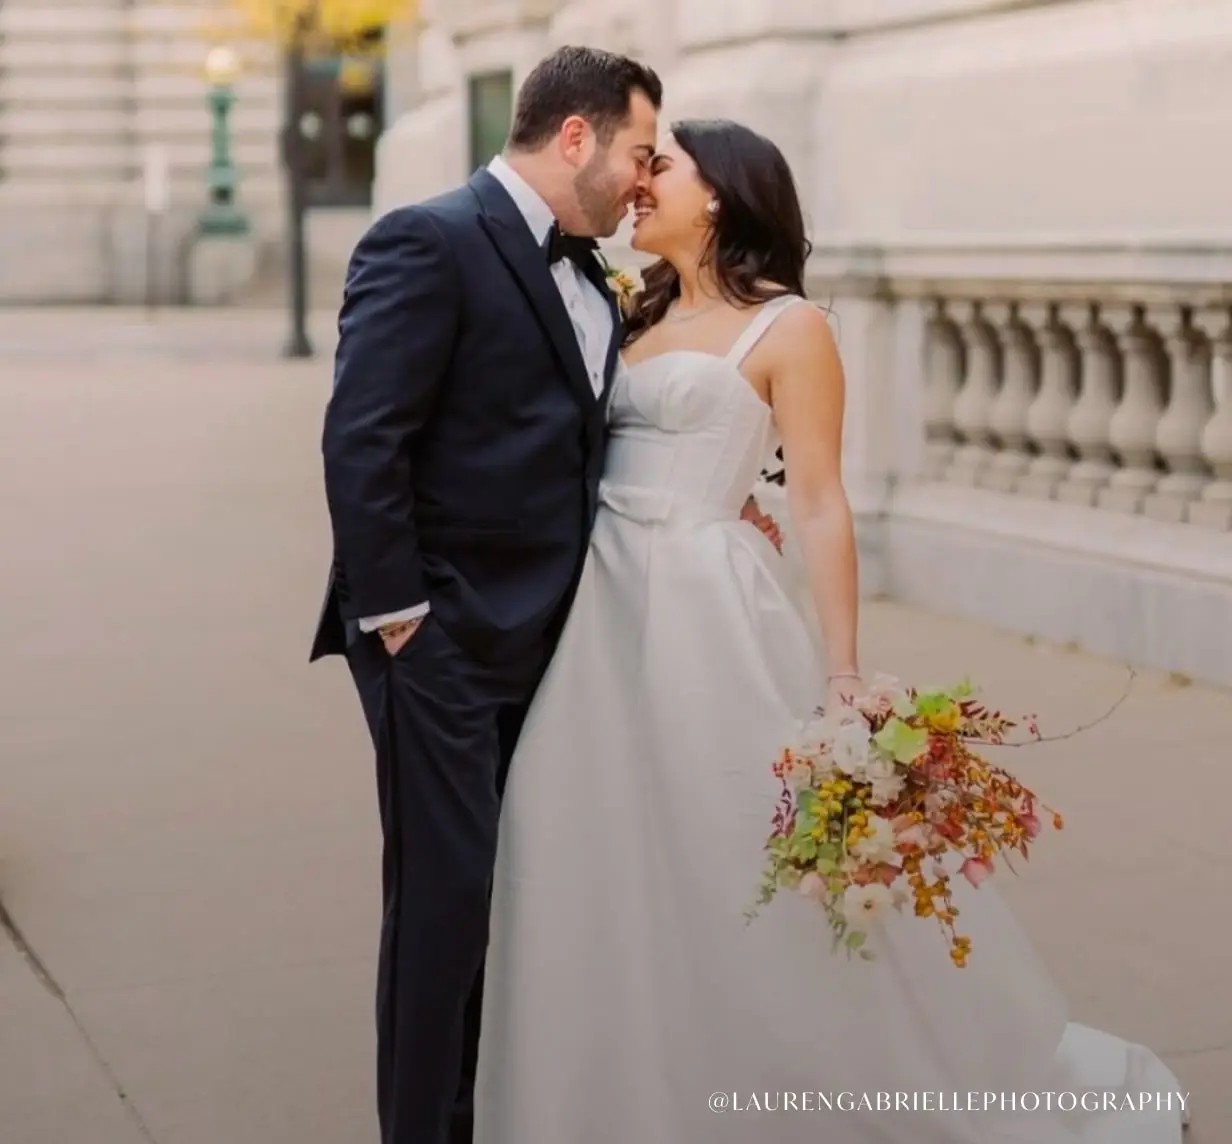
(885,696)
(887,687)
(918,834)
(885,791)
(862,905)
(881,766)
(851,747)
(880,846)
(812,739)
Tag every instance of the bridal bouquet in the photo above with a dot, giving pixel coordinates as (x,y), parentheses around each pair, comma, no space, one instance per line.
(877,794)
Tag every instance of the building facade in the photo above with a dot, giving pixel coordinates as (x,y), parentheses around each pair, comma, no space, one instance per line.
(1022,217)
(106,137)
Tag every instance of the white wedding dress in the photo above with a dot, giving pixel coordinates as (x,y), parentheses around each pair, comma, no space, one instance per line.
(623,986)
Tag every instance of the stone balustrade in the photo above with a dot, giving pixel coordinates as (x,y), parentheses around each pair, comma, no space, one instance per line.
(1088,397)
(1052,457)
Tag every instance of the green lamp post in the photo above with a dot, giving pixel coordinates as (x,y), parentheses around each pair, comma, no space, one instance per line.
(222,216)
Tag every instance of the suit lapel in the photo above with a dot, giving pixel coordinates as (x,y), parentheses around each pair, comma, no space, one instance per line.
(509,233)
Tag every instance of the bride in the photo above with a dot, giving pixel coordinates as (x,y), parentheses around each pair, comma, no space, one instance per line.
(623,985)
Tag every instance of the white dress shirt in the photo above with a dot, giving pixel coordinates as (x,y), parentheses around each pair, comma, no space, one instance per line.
(588,311)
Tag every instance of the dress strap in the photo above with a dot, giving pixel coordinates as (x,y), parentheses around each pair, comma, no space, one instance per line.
(764,319)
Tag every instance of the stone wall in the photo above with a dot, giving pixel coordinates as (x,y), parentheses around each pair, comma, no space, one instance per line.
(86,88)
(1030,165)
(910,122)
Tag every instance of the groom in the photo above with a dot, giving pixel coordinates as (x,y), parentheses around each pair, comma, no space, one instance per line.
(463,447)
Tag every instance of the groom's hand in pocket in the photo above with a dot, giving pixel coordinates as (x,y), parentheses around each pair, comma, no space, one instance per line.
(764,522)
(396,636)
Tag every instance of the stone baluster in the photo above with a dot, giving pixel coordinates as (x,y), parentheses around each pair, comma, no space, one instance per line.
(1214,508)
(1007,418)
(943,374)
(1049,412)
(1178,436)
(1131,432)
(1089,419)
(975,400)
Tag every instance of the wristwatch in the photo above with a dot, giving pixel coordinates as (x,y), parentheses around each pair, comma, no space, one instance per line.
(397,628)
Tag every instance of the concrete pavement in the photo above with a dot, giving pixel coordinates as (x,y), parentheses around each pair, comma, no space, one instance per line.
(188,838)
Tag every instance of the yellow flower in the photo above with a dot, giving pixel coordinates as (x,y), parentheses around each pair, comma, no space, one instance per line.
(622,285)
(948,719)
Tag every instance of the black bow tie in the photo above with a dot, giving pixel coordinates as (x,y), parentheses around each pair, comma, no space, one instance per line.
(558,246)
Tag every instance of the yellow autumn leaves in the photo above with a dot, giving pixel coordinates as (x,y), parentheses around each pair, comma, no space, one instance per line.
(339,20)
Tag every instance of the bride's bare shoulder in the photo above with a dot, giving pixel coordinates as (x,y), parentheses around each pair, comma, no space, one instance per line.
(804,325)
(801,343)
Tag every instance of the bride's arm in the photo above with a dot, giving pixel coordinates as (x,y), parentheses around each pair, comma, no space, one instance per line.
(807,391)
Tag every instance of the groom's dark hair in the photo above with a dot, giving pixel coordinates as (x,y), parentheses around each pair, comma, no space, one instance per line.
(589,82)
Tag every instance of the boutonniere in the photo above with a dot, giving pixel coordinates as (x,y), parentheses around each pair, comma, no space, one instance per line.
(621,283)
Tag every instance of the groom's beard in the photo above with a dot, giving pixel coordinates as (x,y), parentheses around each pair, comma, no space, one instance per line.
(597,196)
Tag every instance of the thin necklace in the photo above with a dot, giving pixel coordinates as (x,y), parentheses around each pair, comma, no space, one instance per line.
(674,314)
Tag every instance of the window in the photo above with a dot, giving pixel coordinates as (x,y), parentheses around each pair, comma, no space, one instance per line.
(491,113)
(339,117)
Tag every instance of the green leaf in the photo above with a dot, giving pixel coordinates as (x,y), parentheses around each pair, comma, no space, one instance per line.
(805,848)
(855,939)
(900,741)
(828,851)
(806,812)
(932,703)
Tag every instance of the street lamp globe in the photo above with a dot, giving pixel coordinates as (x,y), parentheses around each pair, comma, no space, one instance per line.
(222,65)
(222,215)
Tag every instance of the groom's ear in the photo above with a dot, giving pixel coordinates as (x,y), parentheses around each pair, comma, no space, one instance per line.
(575,137)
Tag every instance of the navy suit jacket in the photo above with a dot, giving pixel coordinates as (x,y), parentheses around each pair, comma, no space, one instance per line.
(463,443)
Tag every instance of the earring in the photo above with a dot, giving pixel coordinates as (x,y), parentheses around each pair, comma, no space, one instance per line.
(712,207)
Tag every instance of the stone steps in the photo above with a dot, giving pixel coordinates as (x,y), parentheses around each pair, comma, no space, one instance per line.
(87,89)
(50,20)
(82,155)
(54,123)
(71,90)
(65,5)
(83,152)
(101,54)
(87,85)
(264,197)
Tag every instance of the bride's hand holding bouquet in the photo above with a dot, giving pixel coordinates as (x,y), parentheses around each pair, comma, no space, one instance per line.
(843,688)
(883,788)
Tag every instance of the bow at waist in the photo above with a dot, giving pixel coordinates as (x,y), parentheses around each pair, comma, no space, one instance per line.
(658,506)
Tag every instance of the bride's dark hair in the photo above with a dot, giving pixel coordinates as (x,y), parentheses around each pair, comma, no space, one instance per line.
(757,243)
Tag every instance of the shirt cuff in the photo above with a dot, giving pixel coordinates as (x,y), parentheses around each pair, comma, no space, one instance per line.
(371,623)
